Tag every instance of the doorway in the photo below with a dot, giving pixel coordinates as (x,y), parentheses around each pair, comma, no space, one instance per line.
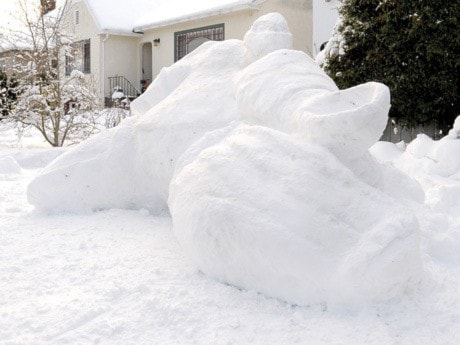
(146,64)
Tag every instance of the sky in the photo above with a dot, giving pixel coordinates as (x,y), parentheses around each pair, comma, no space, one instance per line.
(10,12)
(7,10)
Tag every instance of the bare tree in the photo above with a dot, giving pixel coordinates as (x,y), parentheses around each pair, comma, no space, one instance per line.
(59,104)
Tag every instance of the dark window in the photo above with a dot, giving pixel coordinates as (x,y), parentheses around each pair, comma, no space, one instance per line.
(186,41)
(87,57)
(78,57)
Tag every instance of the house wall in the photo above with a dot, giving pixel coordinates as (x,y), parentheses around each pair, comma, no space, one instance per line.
(122,58)
(325,15)
(121,55)
(8,60)
(86,29)
(298,14)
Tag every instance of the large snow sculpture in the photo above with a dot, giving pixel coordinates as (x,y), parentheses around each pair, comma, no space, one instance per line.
(266,168)
(265,211)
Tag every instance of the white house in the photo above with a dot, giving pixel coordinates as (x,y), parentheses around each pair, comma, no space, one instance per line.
(127,43)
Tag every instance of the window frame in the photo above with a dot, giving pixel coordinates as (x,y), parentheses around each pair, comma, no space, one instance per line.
(184,36)
(83,48)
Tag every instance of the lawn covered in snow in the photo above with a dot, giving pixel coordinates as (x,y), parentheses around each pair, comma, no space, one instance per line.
(120,277)
(256,207)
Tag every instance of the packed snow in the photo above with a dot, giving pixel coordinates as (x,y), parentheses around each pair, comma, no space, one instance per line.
(265,212)
(246,163)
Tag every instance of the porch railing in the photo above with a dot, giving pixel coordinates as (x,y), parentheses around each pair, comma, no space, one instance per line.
(120,83)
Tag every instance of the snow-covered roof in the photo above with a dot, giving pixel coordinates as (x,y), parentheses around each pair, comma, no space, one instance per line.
(7,46)
(126,16)
(170,12)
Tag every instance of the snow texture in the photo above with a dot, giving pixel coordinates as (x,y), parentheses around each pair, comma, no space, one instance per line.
(264,211)
(119,277)
(434,164)
(263,165)
(8,165)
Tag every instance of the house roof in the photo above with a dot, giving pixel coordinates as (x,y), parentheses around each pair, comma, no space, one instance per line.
(124,17)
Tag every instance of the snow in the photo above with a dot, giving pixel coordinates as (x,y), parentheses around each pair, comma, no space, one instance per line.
(271,28)
(8,165)
(434,164)
(208,219)
(252,210)
(299,98)
(325,15)
(120,277)
(132,166)
(126,16)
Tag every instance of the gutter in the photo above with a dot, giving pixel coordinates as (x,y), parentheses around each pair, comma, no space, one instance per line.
(102,67)
(133,33)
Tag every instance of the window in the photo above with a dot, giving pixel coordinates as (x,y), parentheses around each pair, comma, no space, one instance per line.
(77,17)
(187,41)
(79,57)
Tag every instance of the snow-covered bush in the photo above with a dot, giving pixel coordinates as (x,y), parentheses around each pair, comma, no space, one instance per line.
(60,107)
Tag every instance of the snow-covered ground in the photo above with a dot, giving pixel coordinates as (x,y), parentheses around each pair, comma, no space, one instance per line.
(120,277)
(245,162)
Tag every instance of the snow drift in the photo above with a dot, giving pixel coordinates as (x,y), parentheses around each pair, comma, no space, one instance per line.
(263,164)
(435,164)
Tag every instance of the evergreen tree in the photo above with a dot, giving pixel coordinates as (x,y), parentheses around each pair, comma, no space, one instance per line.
(410,45)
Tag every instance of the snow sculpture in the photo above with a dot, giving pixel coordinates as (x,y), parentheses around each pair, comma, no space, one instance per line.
(262,210)
(299,98)
(262,162)
(268,34)
(131,166)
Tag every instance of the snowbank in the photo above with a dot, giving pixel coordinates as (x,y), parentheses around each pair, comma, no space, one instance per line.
(272,186)
(8,165)
(434,164)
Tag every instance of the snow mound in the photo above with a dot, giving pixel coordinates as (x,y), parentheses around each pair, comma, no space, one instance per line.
(8,165)
(37,158)
(454,133)
(264,211)
(264,168)
(435,164)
